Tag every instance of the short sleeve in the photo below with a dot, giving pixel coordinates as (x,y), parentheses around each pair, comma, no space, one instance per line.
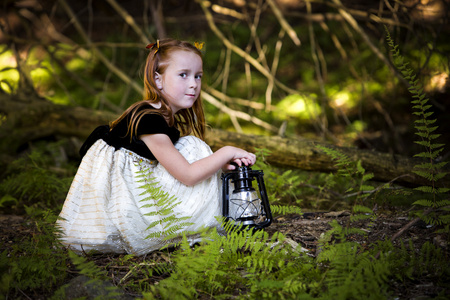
(154,124)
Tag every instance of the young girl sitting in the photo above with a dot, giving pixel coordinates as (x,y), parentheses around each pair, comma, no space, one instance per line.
(104,210)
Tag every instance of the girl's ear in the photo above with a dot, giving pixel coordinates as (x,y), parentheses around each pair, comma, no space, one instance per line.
(158,80)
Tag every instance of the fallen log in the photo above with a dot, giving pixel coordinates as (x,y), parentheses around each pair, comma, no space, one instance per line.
(304,154)
(26,120)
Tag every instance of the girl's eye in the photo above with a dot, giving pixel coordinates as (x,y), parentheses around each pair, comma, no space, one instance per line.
(198,76)
(183,75)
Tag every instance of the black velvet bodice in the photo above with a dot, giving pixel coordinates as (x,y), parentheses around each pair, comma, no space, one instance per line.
(118,138)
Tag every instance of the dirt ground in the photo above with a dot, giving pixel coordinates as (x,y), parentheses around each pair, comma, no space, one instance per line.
(304,230)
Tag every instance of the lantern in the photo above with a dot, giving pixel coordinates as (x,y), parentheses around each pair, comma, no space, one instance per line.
(241,202)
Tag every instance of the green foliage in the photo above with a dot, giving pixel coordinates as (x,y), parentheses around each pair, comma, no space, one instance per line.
(35,262)
(241,263)
(351,170)
(87,268)
(169,222)
(285,209)
(431,168)
(358,181)
(248,264)
(351,273)
(407,262)
(283,187)
(98,281)
(31,181)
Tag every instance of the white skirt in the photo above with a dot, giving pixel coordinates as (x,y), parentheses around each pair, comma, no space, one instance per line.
(104,209)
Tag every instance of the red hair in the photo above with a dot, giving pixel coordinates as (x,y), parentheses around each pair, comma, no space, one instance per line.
(188,121)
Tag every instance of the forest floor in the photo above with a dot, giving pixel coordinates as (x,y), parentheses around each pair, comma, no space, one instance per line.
(303,230)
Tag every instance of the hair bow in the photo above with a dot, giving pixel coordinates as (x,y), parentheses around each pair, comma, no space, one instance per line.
(153,46)
(199,45)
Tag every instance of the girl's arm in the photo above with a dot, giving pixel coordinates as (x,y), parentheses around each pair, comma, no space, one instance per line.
(190,174)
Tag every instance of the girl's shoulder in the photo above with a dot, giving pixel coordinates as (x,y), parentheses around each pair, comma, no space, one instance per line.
(154,123)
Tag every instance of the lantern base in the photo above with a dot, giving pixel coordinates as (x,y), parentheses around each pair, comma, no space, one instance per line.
(247,222)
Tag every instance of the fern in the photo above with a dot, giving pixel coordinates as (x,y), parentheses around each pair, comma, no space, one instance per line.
(242,262)
(285,210)
(425,127)
(31,181)
(408,262)
(359,187)
(350,273)
(352,170)
(98,281)
(284,186)
(171,223)
(87,268)
(345,166)
(35,262)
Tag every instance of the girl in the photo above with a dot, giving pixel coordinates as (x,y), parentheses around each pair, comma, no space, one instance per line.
(104,210)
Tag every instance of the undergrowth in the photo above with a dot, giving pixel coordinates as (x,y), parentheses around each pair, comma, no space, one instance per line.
(240,264)
(33,181)
(435,201)
(36,263)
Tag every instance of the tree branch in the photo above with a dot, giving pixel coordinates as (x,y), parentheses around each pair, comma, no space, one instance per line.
(119,73)
(239,51)
(129,20)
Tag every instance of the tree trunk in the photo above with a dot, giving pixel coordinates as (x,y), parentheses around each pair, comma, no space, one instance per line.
(24,120)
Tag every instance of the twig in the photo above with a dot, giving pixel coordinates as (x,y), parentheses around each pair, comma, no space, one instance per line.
(24,294)
(273,70)
(321,123)
(157,14)
(239,51)
(225,98)
(72,75)
(254,39)
(129,20)
(227,11)
(360,15)
(237,114)
(97,52)
(351,20)
(226,70)
(284,24)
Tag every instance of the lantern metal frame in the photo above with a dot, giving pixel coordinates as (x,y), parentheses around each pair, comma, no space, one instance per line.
(243,176)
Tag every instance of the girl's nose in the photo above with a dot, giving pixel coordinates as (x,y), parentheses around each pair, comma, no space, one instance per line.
(193,83)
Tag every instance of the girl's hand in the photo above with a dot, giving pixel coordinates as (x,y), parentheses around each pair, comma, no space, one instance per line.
(240,157)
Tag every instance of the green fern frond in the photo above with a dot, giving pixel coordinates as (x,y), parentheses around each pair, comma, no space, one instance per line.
(366,188)
(424,202)
(367,177)
(355,218)
(425,189)
(426,131)
(443,203)
(169,223)
(443,190)
(87,268)
(362,209)
(285,209)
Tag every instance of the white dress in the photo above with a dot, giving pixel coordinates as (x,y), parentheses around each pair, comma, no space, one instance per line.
(104,210)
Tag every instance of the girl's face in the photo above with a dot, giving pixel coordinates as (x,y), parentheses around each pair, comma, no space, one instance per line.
(181,82)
